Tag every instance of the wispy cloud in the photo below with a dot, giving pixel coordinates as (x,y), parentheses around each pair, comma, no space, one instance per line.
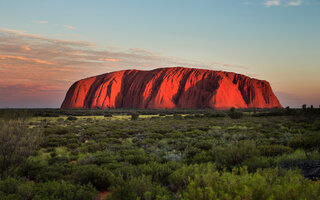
(272,3)
(110,59)
(25,59)
(278,3)
(295,3)
(38,67)
(69,27)
(40,22)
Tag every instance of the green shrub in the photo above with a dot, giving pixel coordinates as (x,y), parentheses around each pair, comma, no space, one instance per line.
(204,145)
(233,114)
(177,116)
(17,143)
(63,190)
(274,150)
(60,120)
(72,118)
(310,141)
(13,189)
(137,188)
(58,130)
(98,177)
(135,157)
(234,154)
(208,183)
(259,162)
(134,116)
(214,114)
(108,115)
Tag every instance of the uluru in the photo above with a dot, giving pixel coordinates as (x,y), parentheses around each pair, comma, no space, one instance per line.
(169,88)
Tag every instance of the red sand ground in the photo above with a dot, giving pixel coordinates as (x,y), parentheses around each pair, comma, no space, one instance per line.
(102,195)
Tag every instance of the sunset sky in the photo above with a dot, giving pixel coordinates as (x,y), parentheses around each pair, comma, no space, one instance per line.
(46,45)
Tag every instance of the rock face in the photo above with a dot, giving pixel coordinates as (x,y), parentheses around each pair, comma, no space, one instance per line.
(168,88)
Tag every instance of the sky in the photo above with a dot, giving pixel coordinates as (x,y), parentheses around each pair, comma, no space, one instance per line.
(47,45)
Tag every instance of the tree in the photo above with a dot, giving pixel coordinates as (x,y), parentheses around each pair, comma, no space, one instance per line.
(17,142)
(304,106)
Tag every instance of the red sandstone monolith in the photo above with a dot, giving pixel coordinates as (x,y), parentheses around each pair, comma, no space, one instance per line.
(168,88)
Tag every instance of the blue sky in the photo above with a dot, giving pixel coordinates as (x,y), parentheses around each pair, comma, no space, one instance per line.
(275,40)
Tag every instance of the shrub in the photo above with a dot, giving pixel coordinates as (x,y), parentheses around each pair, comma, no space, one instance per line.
(274,150)
(310,141)
(233,114)
(13,189)
(134,116)
(177,116)
(17,142)
(259,162)
(215,114)
(108,115)
(60,120)
(137,188)
(72,118)
(63,190)
(58,130)
(11,114)
(98,177)
(135,157)
(204,145)
(234,154)
(208,183)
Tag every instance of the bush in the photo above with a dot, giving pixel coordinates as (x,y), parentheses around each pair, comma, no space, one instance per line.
(311,141)
(58,130)
(137,188)
(215,114)
(60,120)
(259,162)
(177,116)
(134,116)
(234,154)
(208,183)
(98,177)
(17,142)
(11,114)
(13,189)
(63,190)
(72,118)
(274,150)
(135,157)
(233,114)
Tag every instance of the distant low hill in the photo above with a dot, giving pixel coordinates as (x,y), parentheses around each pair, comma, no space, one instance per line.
(168,88)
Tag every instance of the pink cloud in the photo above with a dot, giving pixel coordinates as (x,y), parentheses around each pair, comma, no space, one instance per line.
(110,59)
(69,27)
(36,67)
(7,57)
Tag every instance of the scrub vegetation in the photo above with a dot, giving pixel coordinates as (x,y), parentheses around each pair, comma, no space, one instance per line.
(160,154)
